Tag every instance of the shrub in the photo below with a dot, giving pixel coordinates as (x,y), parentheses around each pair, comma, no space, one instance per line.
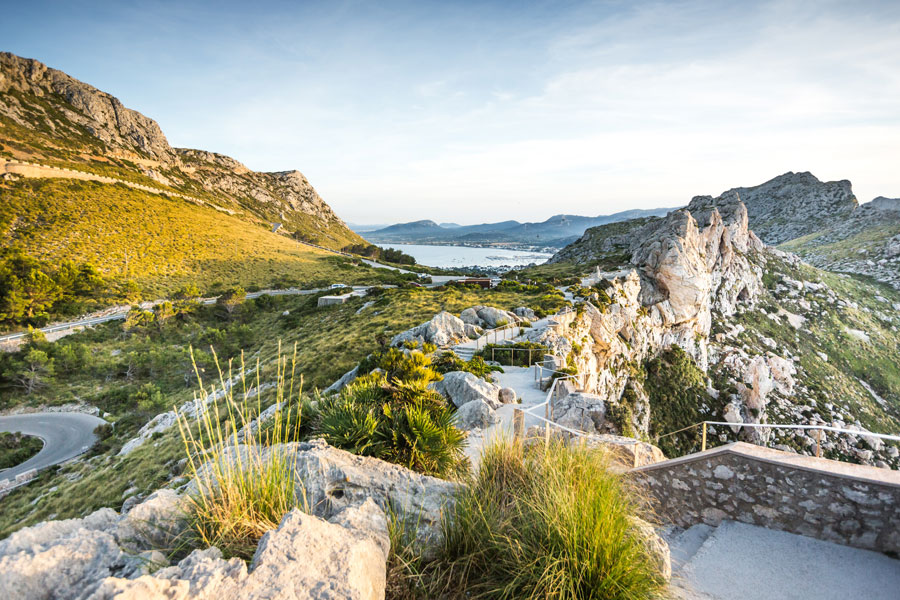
(545,522)
(676,388)
(400,421)
(449,361)
(16,448)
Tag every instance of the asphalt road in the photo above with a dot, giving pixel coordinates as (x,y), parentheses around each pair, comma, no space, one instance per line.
(65,435)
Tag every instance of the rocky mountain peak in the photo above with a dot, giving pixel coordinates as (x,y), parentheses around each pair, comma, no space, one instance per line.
(882,203)
(795,204)
(102,114)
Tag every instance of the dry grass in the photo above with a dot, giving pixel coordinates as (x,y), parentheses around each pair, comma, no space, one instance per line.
(243,487)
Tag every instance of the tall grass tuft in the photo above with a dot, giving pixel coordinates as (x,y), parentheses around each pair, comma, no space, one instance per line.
(545,522)
(244,486)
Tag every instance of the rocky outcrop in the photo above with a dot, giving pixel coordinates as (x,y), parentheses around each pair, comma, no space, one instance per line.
(69,559)
(795,204)
(330,480)
(305,557)
(442,330)
(696,259)
(683,268)
(336,549)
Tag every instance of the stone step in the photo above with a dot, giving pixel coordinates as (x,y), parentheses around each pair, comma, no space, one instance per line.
(684,543)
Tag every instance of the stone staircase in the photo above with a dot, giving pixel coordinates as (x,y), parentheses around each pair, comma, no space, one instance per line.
(465,352)
(740,561)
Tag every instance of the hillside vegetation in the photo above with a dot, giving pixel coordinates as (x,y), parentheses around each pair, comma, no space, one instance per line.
(132,376)
(159,243)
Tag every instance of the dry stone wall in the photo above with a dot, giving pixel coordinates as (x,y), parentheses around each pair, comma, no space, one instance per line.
(837,502)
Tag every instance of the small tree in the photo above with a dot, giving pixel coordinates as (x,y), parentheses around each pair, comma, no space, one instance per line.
(31,372)
(187,292)
(138,318)
(231,299)
(163,312)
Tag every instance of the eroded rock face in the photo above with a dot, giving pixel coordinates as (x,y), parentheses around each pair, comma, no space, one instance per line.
(687,265)
(461,387)
(696,259)
(443,329)
(100,113)
(69,559)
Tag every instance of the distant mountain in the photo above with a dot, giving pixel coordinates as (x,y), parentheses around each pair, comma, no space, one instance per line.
(361,228)
(556,232)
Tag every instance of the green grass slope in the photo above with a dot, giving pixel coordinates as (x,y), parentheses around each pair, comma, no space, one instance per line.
(160,243)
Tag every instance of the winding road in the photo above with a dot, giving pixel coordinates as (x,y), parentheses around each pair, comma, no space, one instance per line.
(65,435)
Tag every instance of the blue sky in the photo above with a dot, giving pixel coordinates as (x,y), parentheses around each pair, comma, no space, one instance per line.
(470,112)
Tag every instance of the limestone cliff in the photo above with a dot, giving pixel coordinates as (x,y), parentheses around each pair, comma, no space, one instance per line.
(695,261)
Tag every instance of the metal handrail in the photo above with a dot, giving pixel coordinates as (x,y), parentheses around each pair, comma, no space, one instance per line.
(818,428)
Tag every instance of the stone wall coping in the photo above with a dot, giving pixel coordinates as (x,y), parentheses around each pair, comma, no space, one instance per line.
(786,459)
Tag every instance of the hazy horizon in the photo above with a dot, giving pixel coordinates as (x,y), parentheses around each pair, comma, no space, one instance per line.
(478,112)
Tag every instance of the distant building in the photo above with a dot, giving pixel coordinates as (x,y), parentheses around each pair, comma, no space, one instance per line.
(484,282)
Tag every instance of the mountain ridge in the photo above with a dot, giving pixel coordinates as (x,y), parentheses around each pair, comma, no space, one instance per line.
(47,116)
(555,231)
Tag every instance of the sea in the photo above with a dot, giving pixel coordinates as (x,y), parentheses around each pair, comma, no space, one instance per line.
(466,256)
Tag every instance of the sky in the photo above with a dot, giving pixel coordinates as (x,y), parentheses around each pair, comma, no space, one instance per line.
(483,111)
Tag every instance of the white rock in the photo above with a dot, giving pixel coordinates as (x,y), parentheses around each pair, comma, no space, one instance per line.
(462,387)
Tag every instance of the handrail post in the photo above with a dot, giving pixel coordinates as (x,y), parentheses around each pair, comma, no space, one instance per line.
(818,443)
(703,444)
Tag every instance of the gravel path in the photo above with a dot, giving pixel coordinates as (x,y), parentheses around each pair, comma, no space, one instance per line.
(522,380)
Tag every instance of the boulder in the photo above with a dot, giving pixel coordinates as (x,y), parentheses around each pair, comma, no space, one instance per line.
(525,313)
(488,316)
(474,331)
(462,387)
(507,396)
(580,411)
(630,452)
(476,414)
(442,330)
(656,546)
